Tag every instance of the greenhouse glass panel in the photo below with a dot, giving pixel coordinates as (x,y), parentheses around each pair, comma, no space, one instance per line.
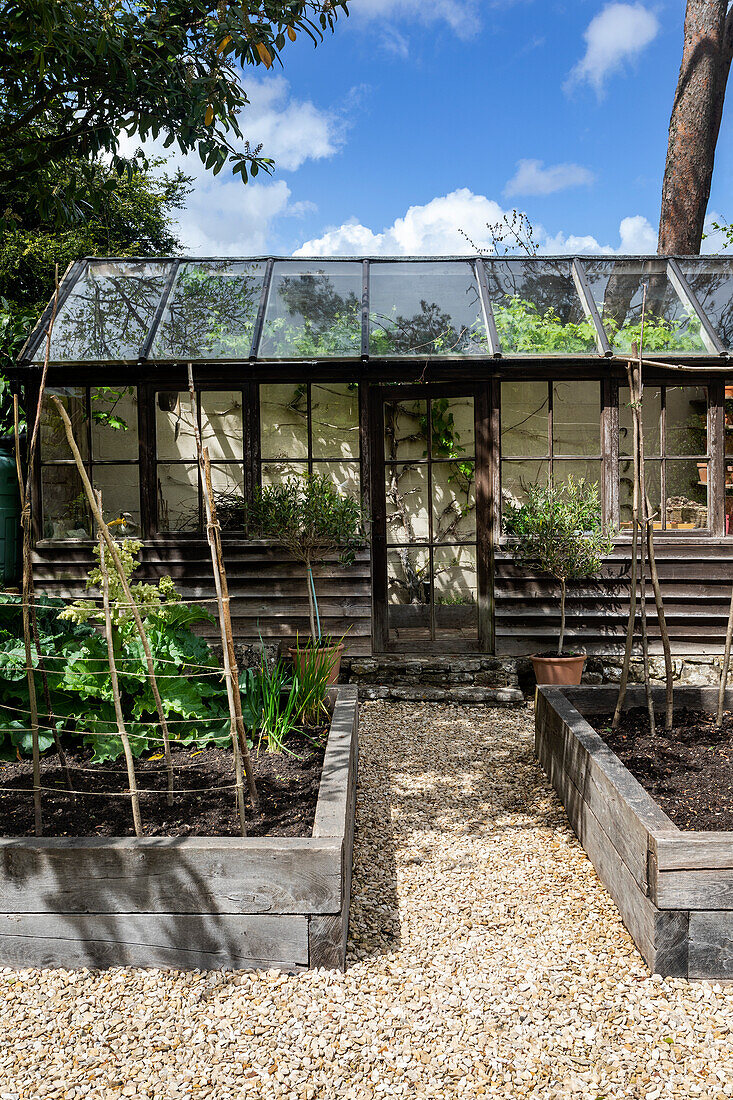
(313,311)
(537,308)
(211,312)
(108,312)
(711,281)
(617,287)
(425,309)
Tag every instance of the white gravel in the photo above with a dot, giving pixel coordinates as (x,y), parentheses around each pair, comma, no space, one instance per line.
(485,960)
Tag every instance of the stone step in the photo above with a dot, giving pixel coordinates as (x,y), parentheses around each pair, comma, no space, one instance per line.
(420,693)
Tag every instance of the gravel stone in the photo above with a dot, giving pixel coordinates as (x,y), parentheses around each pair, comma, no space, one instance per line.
(485,960)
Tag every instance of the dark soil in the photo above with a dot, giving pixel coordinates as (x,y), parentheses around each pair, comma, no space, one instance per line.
(287,784)
(688,771)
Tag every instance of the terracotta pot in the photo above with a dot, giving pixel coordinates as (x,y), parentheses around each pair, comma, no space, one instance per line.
(702,469)
(297,656)
(728,393)
(558,670)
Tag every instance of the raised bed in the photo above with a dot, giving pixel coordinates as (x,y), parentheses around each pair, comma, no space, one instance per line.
(203,902)
(673,887)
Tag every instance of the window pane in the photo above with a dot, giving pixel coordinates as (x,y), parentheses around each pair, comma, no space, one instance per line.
(335,420)
(52,431)
(454,501)
(221,424)
(576,418)
(313,311)
(617,287)
(65,509)
(178,496)
(651,404)
(108,313)
(687,494)
(653,483)
(284,421)
(455,584)
(686,420)
(227,483)
(174,428)
(517,477)
(587,470)
(712,283)
(120,489)
(211,312)
(537,309)
(406,490)
(273,473)
(344,475)
(425,309)
(405,429)
(452,426)
(114,423)
(408,594)
(524,412)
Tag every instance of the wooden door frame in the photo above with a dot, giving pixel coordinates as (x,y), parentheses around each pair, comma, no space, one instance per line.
(486,422)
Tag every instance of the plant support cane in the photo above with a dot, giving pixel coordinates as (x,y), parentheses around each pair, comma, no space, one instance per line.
(121,728)
(125,588)
(240,746)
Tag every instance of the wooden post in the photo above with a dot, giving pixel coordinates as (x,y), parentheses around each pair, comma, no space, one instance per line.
(634,557)
(125,588)
(240,745)
(726,666)
(121,729)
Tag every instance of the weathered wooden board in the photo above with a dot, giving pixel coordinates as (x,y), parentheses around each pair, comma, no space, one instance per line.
(686,889)
(183,941)
(168,875)
(711,945)
(694,851)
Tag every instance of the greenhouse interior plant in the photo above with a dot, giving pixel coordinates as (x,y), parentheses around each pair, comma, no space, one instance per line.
(559,530)
(309,517)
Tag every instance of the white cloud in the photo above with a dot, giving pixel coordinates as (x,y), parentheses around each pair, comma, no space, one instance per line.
(222,216)
(435,229)
(462,16)
(533,178)
(616,35)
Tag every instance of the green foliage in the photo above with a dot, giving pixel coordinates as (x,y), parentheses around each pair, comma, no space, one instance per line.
(308,516)
(79,76)
(312,669)
(559,531)
(680,334)
(194,699)
(270,703)
(521,326)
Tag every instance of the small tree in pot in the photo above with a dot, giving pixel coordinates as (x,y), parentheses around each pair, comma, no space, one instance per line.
(309,517)
(559,531)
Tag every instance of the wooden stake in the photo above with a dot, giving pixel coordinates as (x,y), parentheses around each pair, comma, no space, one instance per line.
(125,588)
(634,556)
(664,632)
(642,518)
(726,666)
(240,745)
(121,728)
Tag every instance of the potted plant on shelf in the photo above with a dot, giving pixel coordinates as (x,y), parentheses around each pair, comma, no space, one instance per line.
(559,531)
(310,518)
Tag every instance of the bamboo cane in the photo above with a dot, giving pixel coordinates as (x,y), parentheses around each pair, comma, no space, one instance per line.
(121,728)
(642,518)
(634,557)
(32,601)
(663,630)
(99,519)
(726,666)
(240,746)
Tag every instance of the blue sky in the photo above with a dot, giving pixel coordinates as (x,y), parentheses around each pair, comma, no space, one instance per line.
(420,118)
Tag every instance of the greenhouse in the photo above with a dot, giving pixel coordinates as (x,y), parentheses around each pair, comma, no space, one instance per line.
(436,391)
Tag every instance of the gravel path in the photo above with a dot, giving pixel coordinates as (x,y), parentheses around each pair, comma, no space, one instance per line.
(486,960)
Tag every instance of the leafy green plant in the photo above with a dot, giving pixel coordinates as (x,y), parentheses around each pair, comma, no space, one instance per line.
(75,656)
(309,517)
(312,668)
(559,531)
(270,703)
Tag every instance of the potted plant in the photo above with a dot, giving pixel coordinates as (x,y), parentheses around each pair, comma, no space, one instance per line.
(309,517)
(559,531)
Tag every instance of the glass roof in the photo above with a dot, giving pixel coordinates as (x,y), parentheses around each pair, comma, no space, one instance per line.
(179,309)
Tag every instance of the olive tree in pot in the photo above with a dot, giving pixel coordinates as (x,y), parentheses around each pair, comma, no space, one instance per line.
(559,531)
(310,518)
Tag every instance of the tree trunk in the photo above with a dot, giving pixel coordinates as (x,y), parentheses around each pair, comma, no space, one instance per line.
(562,617)
(694,125)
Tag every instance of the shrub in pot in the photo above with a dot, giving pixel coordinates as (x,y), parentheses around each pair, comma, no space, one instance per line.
(309,517)
(559,530)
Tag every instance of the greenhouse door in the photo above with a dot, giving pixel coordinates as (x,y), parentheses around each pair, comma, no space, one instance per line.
(430,519)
